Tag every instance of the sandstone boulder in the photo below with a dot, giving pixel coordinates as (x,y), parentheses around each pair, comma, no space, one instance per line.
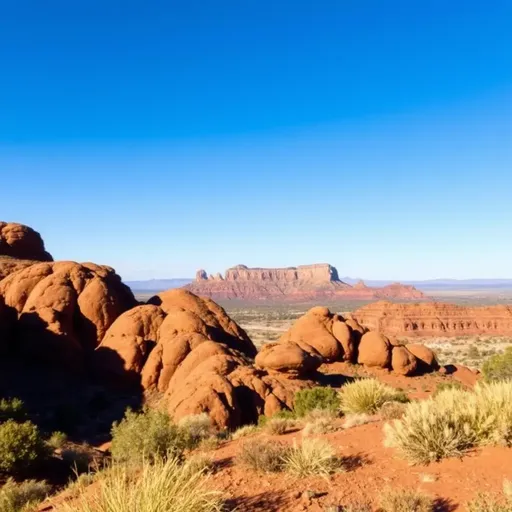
(403,362)
(64,309)
(374,350)
(325,332)
(426,357)
(21,242)
(287,358)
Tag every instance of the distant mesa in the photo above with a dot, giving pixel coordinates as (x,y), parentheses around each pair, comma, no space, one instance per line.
(302,283)
(435,319)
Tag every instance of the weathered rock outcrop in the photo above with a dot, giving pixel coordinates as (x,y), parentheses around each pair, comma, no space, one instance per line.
(188,349)
(302,283)
(288,358)
(20,247)
(321,332)
(435,319)
(64,309)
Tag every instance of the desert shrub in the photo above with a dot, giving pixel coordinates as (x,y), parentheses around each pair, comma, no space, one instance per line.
(368,396)
(311,457)
(392,410)
(262,455)
(354,420)
(148,435)
(21,446)
(247,430)
(12,409)
(18,497)
(278,426)
(318,397)
(489,503)
(57,440)
(405,500)
(452,422)
(161,485)
(78,457)
(498,367)
(197,427)
(443,386)
(286,415)
(199,463)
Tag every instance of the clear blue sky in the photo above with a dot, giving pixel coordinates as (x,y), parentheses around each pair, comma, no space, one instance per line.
(159,137)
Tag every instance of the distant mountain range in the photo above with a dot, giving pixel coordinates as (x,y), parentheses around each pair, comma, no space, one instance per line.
(156,285)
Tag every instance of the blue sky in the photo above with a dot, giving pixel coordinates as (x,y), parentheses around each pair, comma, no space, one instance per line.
(160,137)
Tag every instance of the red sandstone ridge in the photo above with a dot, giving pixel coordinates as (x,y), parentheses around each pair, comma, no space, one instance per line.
(435,319)
(302,283)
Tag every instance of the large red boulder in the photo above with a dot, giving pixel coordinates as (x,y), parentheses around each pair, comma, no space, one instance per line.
(374,350)
(287,358)
(402,361)
(64,309)
(21,242)
(427,358)
(325,332)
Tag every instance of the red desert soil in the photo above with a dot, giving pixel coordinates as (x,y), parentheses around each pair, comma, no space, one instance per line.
(371,469)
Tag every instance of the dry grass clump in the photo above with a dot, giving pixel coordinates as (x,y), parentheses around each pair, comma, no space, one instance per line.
(278,426)
(368,396)
(198,427)
(490,503)
(354,420)
(319,421)
(312,457)
(405,500)
(160,485)
(452,422)
(392,410)
(20,497)
(57,440)
(262,455)
(199,463)
(246,431)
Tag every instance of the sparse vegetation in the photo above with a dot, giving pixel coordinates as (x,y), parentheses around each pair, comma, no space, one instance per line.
(453,422)
(23,496)
(498,367)
(21,446)
(197,427)
(262,455)
(57,440)
(368,396)
(12,409)
(392,410)
(278,426)
(162,485)
(247,430)
(148,435)
(311,457)
(443,386)
(404,500)
(307,400)
(354,420)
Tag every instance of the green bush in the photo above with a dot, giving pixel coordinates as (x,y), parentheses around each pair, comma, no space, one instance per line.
(12,409)
(498,367)
(324,398)
(23,496)
(21,446)
(148,435)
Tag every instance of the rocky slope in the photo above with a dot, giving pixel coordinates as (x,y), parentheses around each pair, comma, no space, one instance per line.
(302,283)
(435,319)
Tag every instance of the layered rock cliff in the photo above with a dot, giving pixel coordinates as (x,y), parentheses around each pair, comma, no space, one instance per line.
(305,282)
(435,319)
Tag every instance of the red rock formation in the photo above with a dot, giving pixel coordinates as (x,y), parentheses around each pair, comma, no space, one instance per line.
(435,319)
(20,247)
(63,309)
(188,349)
(302,283)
